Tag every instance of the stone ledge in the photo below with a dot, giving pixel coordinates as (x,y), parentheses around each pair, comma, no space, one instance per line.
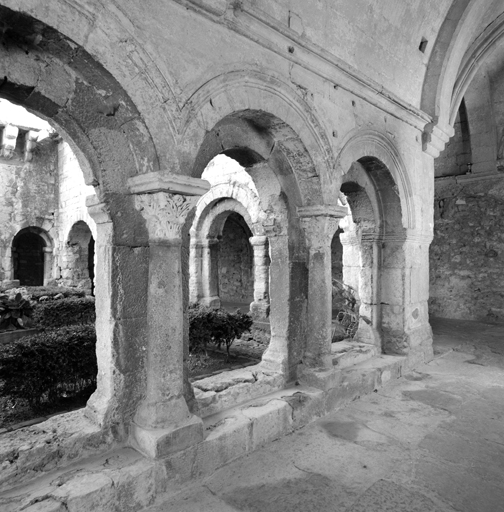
(124,480)
(348,353)
(28,452)
(227,389)
(117,480)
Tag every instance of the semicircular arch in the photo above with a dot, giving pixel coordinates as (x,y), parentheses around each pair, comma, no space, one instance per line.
(373,150)
(240,195)
(266,104)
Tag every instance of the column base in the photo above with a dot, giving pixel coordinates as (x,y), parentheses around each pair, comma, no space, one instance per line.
(161,442)
(275,361)
(211,302)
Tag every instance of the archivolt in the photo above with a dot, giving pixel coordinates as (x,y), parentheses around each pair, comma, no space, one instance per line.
(285,115)
(361,146)
(249,207)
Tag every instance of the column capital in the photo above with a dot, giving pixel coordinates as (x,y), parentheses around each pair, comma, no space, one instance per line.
(258,240)
(165,213)
(319,224)
(165,200)
(97,210)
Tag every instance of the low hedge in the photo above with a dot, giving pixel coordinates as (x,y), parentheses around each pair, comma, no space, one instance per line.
(49,365)
(57,313)
(217,326)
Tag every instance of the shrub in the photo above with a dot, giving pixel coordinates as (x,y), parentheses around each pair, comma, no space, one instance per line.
(57,313)
(15,310)
(49,365)
(218,326)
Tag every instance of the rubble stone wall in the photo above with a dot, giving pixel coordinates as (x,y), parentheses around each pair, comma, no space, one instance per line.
(28,198)
(467,253)
(236,266)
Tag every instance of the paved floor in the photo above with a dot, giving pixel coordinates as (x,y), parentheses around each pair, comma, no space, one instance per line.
(431,441)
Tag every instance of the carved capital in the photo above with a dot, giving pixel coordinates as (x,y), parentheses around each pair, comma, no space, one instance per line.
(165,213)
(319,224)
(319,231)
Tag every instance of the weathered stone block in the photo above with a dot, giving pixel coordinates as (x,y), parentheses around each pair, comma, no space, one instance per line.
(270,420)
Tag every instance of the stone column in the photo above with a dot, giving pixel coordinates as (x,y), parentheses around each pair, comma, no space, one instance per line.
(276,357)
(209,250)
(319,224)
(163,423)
(47,265)
(100,403)
(260,307)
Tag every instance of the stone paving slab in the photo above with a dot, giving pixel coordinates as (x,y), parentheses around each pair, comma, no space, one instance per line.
(431,441)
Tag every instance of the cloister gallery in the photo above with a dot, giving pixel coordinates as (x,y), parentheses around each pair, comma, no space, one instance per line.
(252,153)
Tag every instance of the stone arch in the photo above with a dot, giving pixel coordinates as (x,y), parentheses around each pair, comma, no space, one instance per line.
(32,252)
(59,80)
(386,177)
(87,104)
(372,166)
(285,177)
(266,116)
(475,56)
(131,63)
(212,214)
(451,66)
(245,202)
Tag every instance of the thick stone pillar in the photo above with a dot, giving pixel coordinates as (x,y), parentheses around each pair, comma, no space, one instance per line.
(260,307)
(319,224)
(404,296)
(163,423)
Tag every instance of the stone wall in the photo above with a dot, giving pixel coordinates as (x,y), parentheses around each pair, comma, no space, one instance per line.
(28,196)
(236,265)
(467,253)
